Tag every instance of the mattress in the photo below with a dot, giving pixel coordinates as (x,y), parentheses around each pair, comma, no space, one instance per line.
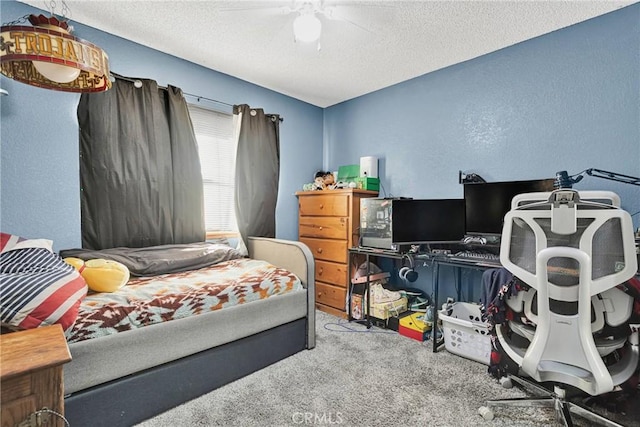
(156,320)
(152,300)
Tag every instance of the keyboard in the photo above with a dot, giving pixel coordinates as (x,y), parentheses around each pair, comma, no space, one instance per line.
(478,256)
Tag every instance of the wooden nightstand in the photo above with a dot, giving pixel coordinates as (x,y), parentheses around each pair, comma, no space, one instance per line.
(31,374)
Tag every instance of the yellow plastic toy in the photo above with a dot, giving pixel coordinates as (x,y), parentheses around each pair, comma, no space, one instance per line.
(101,275)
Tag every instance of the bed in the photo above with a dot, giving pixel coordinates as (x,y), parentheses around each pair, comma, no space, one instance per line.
(126,370)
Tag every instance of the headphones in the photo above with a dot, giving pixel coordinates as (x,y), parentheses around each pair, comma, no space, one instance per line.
(408,273)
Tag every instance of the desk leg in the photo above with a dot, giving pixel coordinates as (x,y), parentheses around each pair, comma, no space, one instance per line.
(367,293)
(350,288)
(434,328)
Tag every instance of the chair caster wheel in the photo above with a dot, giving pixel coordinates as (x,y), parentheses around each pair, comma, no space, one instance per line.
(486,413)
(505,382)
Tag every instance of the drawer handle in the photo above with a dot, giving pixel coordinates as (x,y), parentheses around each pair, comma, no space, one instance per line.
(320,271)
(321,206)
(319,250)
(320,228)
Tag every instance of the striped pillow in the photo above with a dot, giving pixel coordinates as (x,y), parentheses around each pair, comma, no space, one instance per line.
(8,241)
(38,288)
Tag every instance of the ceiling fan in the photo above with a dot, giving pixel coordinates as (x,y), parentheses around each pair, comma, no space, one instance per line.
(307,25)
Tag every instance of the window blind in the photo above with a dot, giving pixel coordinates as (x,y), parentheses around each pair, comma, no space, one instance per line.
(214,133)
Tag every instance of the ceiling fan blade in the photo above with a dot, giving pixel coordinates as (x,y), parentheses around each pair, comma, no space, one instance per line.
(269,8)
(345,12)
(353,23)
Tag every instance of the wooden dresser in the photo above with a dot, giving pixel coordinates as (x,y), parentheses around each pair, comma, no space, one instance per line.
(328,222)
(31,375)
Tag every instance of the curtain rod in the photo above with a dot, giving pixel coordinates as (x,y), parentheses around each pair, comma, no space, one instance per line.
(198,97)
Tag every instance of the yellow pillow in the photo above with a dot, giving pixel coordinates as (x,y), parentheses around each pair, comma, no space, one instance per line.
(101,275)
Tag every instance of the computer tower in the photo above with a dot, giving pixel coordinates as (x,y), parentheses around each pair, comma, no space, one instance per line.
(395,224)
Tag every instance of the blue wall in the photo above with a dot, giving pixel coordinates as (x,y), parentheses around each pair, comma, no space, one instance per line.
(40,195)
(569,100)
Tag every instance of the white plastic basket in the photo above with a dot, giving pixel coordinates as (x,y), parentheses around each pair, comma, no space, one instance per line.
(464,332)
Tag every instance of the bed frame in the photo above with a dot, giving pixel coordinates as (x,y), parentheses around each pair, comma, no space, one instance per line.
(141,395)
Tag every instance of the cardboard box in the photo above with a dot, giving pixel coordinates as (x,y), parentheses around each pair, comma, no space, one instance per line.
(412,325)
(366,183)
(415,320)
(388,309)
(412,333)
(382,311)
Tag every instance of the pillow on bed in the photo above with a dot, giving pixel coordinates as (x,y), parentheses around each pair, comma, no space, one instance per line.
(101,275)
(11,241)
(38,287)
(155,260)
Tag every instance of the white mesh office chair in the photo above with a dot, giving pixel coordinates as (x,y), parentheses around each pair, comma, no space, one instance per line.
(573,253)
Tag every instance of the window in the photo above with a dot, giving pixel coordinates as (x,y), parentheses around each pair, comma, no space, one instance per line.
(217,148)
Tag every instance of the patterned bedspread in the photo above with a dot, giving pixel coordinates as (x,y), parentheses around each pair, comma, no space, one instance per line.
(148,300)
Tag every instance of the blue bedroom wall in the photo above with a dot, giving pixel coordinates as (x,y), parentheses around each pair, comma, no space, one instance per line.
(568,100)
(40,194)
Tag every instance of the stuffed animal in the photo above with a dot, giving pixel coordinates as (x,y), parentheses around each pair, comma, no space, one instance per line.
(328,180)
(323,181)
(101,275)
(318,181)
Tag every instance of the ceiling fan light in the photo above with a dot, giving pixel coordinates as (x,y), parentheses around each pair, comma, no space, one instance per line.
(307,28)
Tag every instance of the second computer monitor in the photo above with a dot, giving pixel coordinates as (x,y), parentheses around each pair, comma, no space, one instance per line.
(486,203)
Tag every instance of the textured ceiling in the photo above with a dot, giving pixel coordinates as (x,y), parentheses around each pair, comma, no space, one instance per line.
(365,45)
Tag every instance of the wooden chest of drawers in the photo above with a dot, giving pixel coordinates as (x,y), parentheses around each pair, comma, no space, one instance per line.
(328,222)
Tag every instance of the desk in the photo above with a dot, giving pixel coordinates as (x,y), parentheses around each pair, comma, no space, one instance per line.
(436,259)
(368,253)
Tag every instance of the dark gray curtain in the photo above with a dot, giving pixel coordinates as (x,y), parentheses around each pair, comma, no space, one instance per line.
(257,171)
(140,177)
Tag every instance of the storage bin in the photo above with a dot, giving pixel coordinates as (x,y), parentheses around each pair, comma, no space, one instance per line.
(383,310)
(464,332)
(348,173)
(366,183)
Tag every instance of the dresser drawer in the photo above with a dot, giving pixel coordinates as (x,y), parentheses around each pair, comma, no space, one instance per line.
(330,227)
(331,272)
(328,250)
(331,295)
(325,205)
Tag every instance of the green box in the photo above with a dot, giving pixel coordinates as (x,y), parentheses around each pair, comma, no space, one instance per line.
(348,173)
(366,183)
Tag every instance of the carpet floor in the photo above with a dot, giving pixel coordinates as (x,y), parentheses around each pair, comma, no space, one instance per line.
(362,377)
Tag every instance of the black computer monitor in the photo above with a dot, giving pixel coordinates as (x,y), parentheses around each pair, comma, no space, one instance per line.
(428,220)
(486,203)
(390,223)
